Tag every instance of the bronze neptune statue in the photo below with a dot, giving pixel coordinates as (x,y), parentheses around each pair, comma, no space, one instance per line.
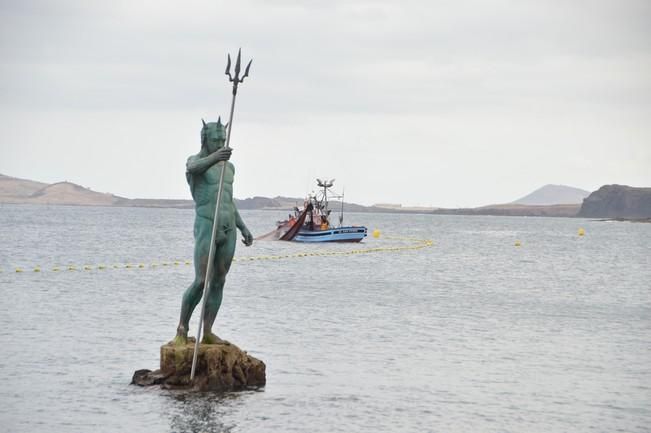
(203,173)
(221,366)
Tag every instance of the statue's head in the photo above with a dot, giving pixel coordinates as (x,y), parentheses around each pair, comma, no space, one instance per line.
(213,135)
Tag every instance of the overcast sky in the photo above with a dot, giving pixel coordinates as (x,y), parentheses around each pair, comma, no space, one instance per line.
(441,103)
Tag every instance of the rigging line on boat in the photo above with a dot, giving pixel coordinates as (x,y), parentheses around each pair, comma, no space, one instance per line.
(417,244)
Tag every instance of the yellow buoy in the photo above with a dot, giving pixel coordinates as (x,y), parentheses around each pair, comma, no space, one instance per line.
(581,231)
(376,233)
(517,243)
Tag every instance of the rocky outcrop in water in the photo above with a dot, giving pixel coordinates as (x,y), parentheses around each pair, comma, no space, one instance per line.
(220,367)
(617,201)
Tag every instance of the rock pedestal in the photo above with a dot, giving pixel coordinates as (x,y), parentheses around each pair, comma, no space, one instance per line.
(220,367)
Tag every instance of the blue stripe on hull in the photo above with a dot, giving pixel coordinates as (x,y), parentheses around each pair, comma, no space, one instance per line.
(341,234)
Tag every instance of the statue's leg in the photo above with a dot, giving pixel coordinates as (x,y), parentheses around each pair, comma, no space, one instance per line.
(193,293)
(223,259)
(191,298)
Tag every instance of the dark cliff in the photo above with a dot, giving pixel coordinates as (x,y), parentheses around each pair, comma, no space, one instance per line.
(617,201)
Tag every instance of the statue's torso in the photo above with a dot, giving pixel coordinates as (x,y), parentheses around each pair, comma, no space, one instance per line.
(204,188)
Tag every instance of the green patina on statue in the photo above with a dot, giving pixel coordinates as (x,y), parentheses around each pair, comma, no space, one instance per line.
(203,173)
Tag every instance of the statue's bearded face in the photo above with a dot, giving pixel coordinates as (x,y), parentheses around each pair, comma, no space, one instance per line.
(213,136)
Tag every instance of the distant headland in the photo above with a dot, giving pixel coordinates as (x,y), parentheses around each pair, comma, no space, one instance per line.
(618,202)
(23,191)
(609,201)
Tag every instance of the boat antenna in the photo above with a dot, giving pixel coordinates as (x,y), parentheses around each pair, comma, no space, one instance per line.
(341,214)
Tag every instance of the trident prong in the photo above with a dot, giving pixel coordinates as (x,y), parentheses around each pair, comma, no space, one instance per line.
(228,69)
(246,71)
(238,62)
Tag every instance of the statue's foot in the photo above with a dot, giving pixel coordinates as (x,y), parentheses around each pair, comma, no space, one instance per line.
(210,338)
(181,338)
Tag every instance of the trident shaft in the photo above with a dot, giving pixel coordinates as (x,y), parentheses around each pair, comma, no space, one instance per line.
(236,80)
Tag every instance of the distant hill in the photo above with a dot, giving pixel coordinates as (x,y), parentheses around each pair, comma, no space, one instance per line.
(618,201)
(610,201)
(11,187)
(268,203)
(552,195)
(559,210)
(548,201)
(22,191)
(70,193)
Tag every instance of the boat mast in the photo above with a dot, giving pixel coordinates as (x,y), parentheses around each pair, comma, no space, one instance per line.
(324,207)
(341,214)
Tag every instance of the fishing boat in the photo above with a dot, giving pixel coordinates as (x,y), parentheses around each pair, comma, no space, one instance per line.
(312,222)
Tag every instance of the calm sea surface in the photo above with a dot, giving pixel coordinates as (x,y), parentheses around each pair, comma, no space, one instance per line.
(470,335)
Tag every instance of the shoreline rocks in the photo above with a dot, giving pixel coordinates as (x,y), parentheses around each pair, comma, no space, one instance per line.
(220,367)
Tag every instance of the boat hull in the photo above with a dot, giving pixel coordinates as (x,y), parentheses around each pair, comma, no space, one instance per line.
(340,234)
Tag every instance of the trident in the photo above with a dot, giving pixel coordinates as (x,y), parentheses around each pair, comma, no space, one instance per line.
(236,80)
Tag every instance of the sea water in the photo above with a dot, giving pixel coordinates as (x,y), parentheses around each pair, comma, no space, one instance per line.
(470,334)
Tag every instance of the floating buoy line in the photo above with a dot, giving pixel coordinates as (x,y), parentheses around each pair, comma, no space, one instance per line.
(414,244)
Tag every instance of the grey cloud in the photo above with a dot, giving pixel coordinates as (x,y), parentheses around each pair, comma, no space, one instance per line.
(390,57)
